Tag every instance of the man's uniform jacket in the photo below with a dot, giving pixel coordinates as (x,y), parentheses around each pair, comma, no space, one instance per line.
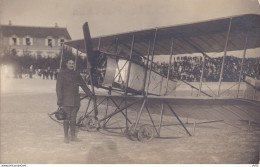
(67,88)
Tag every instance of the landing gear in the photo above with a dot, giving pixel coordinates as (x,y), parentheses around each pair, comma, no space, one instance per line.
(90,124)
(132,132)
(143,133)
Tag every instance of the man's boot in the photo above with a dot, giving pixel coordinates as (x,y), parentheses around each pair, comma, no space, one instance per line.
(66,131)
(73,131)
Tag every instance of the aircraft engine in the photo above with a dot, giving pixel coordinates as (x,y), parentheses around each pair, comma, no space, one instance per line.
(103,69)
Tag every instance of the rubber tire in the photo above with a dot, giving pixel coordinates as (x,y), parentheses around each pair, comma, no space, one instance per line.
(146,133)
(90,124)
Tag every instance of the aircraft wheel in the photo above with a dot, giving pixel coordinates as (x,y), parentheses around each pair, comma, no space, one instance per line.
(132,135)
(145,133)
(90,124)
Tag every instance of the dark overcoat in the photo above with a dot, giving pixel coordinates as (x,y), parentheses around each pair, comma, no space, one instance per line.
(67,88)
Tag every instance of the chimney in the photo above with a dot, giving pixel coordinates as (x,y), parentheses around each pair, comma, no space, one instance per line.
(10,23)
(56,25)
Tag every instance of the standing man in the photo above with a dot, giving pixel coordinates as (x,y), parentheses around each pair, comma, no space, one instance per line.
(67,89)
(31,72)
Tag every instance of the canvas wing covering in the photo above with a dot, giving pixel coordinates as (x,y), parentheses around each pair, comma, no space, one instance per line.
(207,36)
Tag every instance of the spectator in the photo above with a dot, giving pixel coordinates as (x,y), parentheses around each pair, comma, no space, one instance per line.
(31,72)
(191,71)
(51,74)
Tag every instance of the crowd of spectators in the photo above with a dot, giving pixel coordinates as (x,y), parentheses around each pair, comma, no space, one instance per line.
(186,69)
(189,70)
(48,73)
(45,73)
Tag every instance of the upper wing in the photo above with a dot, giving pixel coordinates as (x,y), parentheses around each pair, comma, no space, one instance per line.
(207,36)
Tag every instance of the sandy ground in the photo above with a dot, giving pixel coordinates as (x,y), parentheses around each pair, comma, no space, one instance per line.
(28,136)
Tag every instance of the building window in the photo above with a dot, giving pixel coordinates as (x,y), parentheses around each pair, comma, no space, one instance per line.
(61,41)
(14,41)
(28,41)
(50,42)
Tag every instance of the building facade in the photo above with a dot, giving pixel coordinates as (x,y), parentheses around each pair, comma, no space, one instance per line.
(34,41)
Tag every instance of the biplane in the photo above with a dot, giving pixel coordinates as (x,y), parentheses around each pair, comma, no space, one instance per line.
(123,66)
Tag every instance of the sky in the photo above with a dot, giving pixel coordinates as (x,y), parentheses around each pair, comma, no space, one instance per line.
(114,16)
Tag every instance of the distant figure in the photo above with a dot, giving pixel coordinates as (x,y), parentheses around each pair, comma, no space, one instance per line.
(48,70)
(51,74)
(68,98)
(38,72)
(20,72)
(55,74)
(31,72)
(43,73)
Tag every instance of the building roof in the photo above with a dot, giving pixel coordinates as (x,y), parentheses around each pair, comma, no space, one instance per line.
(35,32)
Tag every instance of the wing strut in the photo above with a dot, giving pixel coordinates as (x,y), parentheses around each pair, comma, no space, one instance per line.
(177,117)
(242,64)
(147,61)
(225,53)
(202,73)
(150,70)
(129,65)
(170,66)
(128,75)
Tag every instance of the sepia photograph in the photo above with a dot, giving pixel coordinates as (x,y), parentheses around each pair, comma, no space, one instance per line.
(129,82)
